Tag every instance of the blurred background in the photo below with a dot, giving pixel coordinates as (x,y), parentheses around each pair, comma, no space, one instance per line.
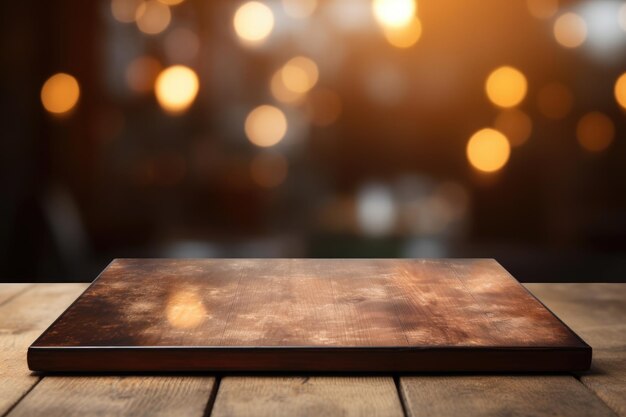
(313,128)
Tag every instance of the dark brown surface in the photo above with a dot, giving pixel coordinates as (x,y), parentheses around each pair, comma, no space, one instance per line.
(296,314)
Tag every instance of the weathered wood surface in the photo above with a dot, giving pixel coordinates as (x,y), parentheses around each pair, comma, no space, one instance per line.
(499,396)
(10,291)
(304,396)
(597,312)
(307,315)
(594,310)
(133,396)
(23,316)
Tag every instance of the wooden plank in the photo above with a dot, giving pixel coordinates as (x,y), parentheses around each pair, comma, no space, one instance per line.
(499,396)
(598,313)
(607,379)
(8,291)
(22,319)
(246,315)
(304,396)
(102,396)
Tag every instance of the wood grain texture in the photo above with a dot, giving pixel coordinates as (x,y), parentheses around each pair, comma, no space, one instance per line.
(22,318)
(304,396)
(307,315)
(8,291)
(499,396)
(117,396)
(598,313)
(607,379)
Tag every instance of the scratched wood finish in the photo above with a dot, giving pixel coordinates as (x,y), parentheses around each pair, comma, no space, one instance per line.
(307,315)
(307,397)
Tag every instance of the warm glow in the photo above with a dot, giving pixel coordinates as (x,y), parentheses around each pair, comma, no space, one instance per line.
(488,150)
(555,101)
(300,74)
(60,93)
(299,9)
(324,107)
(394,13)
(404,36)
(506,86)
(266,125)
(176,88)
(269,169)
(542,9)
(281,92)
(171,2)
(253,22)
(620,90)
(124,10)
(570,30)
(153,17)
(515,124)
(142,73)
(595,131)
(185,310)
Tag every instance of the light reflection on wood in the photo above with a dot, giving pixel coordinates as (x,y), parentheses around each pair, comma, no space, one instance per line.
(185,309)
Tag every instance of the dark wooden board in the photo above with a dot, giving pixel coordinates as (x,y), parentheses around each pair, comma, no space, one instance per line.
(307,315)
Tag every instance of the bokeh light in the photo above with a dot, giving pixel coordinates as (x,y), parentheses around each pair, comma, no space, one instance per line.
(266,125)
(281,92)
(269,169)
(506,86)
(515,124)
(376,209)
(595,131)
(570,30)
(60,93)
(621,18)
(542,9)
(324,107)
(404,36)
(176,88)
(620,90)
(153,17)
(555,100)
(394,13)
(124,11)
(253,22)
(299,9)
(488,150)
(141,73)
(605,39)
(300,74)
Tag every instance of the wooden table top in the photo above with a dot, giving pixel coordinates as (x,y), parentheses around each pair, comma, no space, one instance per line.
(314,315)
(597,312)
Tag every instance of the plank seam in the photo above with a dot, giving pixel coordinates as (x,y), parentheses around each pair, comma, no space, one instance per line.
(208,410)
(19,400)
(578,378)
(396,381)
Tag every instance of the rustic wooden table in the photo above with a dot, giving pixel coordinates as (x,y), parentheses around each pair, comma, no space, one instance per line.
(597,312)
